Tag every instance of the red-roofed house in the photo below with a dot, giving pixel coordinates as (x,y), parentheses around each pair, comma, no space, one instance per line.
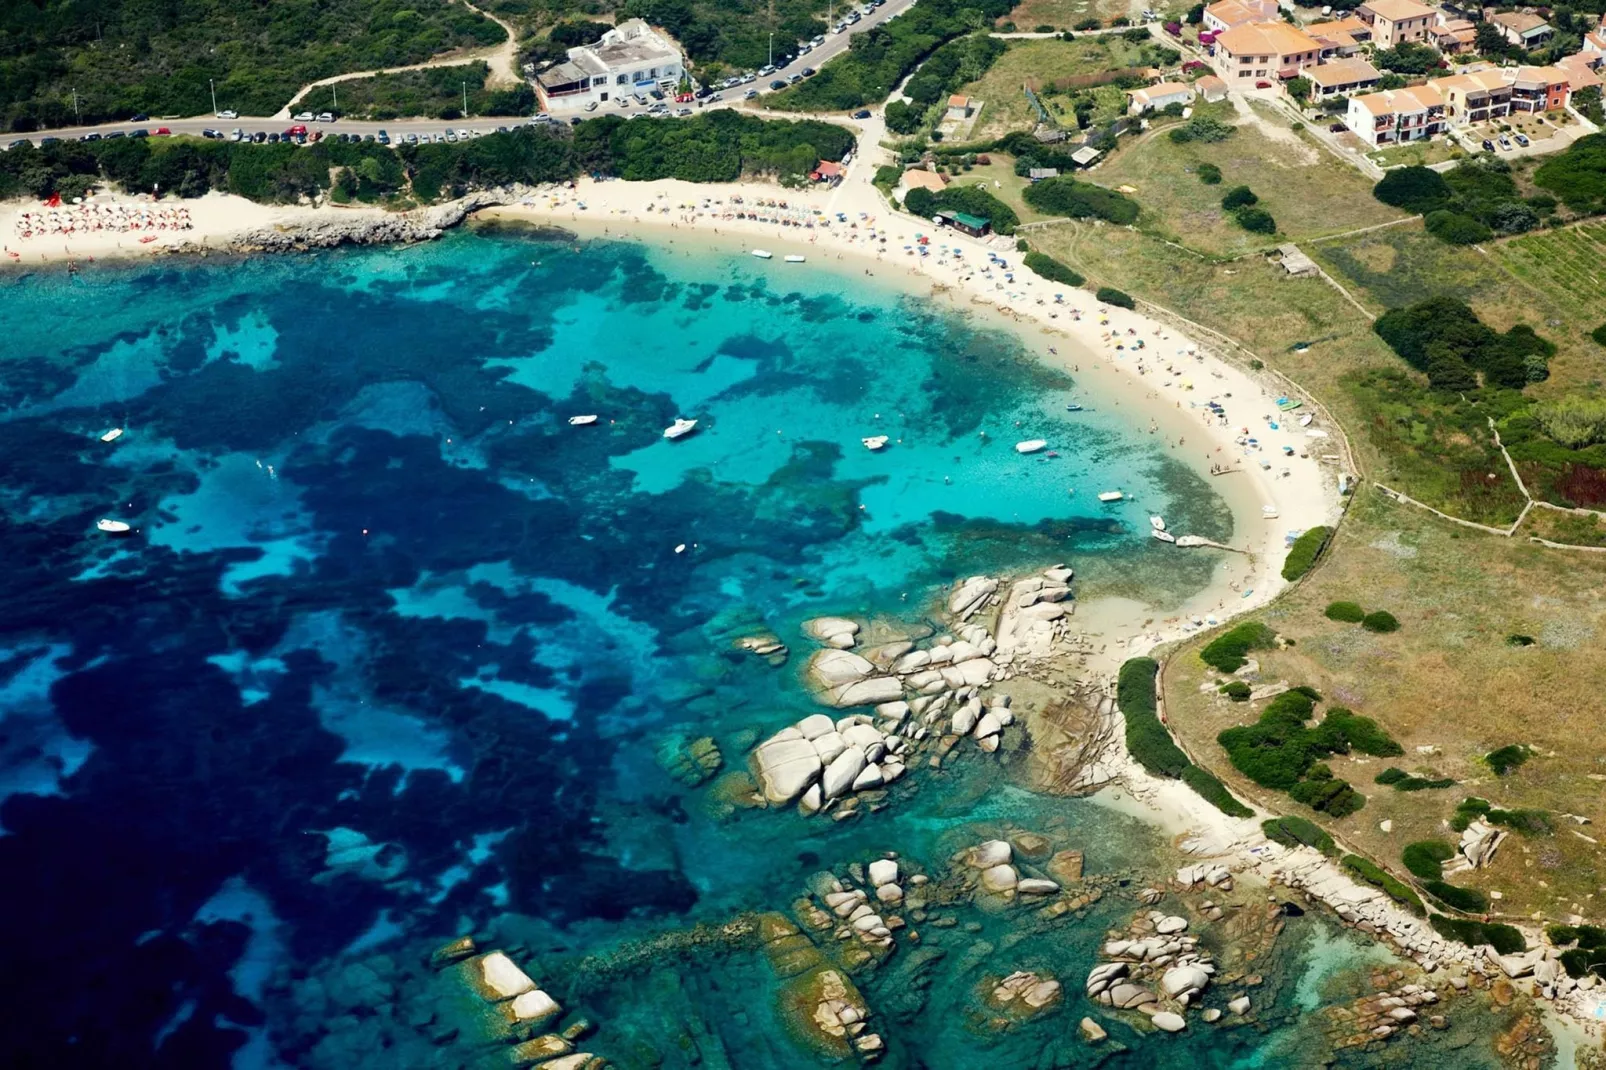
(1263,51)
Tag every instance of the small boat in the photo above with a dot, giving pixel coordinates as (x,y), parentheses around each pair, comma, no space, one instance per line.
(1304,421)
(1031,445)
(1163,536)
(1269,512)
(582,421)
(763,254)
(1111,496)
(1157,523)
(1288,404)
(1074,408)
(874,442)
(113,435)
(113,527)
(680,428)
(795,259)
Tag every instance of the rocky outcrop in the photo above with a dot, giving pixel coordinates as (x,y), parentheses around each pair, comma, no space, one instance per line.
(368,228)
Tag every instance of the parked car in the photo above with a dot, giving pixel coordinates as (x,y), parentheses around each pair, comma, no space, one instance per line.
(115,134)
(591,106)
(862,113)
(162,131)
(213,135)
(140,118)
(49,141)
(1505,142)
(1262,84)
(274,139)
(1522,139)
(750,94)
(808,72)
(260,137)
(777,84)
(412,139)
(1336,128)
(302,117)
(683,112)
(21,141)
(297,129)
(141,132)
(326,117)
(236,134)
(1488,146)
(228,114)
(90,137)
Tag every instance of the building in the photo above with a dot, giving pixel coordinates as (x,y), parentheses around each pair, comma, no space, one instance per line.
(1341,78)
(1583,70)
(1158,96)
(1225,14)
(1595,40)
(632,58)
(826,171)
(1453,37)
(1246,55)
(1396,21)
(974,225)
(919,178)
(1396,115)
(1296,263)
(1343,37)
(1522,28)
(1538,89)
(1475,96)
(1039,174)
(958,107)
(1211,88)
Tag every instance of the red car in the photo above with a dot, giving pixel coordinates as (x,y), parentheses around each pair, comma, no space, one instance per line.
(1263,84)
(296,130)
(162,131)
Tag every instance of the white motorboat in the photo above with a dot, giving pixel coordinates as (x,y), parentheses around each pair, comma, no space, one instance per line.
(1157,523)
(874,442)
(1163,536)
(763,254)
(582,421)
(1304,421)
(680,428)
(113,527)
(1111,496)
(1269,512)
(113,435)
(795,258)
(1031,445)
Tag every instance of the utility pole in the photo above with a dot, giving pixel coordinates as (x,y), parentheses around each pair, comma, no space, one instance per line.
(77,118)
(334,91)
(213,84)
(772,48)
(465,100)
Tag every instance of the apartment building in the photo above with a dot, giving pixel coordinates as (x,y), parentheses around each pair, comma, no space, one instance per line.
(1475,96)
(1341,37)
(1226,14)
(631,58)
(1342,77)
(1396,115)
(1537,89)
(1397,21)
(1245,55)
(1522,28)
(1453,37)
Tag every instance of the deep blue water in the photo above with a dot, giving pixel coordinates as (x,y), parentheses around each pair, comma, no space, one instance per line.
(390,651)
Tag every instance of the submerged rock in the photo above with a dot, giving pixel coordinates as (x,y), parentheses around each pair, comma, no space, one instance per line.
(786,767)
(691,762)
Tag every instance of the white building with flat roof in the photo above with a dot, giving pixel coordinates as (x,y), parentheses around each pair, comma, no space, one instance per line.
(631,58)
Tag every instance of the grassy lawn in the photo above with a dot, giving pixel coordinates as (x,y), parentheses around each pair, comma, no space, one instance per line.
(1041,62)
(1008,188)
(1418,153)
(1064,14)
(1448,679)
(1574,529)
(1307,190)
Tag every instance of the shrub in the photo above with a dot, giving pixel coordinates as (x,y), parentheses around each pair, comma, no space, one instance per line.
(1392,886)
(1053,270)
(1294,831)
(1444,338)
(1255,220)
(1467,900)
(1391,775)
(1527,822)
(1599,334)
(1416,783)
(1561,934)
(1380,621)
(1573,420)
(1578,176)
(1348,612)
(1505,939)
(1306,549)
(1415,189)
(1454,228)
(1341,730)
(1201,128)
(1580,962)
(1237,691)
(1067,196)
(1506,760)
(1239,197)
(1109,295)
(1214,792)
(1209,174)
(1426,858)
(1226,652)
(1146,737)
(962,198)
(1328,795)
(1470,809)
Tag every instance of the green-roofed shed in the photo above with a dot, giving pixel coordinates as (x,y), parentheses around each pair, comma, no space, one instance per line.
(974,225)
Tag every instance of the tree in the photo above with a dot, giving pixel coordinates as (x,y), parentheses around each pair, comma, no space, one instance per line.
(1255,220)
(1415,189)
(1239,197)
(1488,40)
(1300,89)
(1407,57)
(1195,14)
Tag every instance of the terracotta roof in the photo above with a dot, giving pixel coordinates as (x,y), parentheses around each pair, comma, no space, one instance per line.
(1164,89)
(917,179)
(1541,75)
(1346,25)
(958,101)
(1267,38)
(1579,73)
(1472,81)
(1520,21)
(1342,72)
(1395,10)
(1211,83)
(1240,12)
(1399,101)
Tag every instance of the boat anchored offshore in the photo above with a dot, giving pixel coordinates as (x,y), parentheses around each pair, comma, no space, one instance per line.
(763,254)
(680,428)
(1111,496)
(874,442)
(113,435)
(113,527)
(582,421)
(1157,523)
(1031,445)
(1163,536)
(795,258)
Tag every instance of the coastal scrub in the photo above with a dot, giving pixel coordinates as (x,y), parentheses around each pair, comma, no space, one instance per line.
(1306,549)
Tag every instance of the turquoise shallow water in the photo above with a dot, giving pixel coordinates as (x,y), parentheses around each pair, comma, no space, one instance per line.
(390,652)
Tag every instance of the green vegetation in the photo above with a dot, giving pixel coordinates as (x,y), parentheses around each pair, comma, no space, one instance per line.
(1347,612)
(1590,954)
(1471,203)
(1255,220)
(1281,751)
(436,92)
(1293,831)
(1575,421)
(1380,621)
(1445,339)
(880,58)
(1578,176)
(1467,811)
(1214,792)
(1053,270)
(1407,57)
(1228,651)
(1209,174)
(1467,900)
(960,198)
(1065,196)
(1393,887)
(1109,295)
(1239,197)
(1426,858)
(1505,939)
(716,146)
(1303,554)
(1453,228)
(1506,760)
(1201,128)
(1237,691)
(1400,780)
(1599,334)
(128,56)
(1146,737)
(716,34)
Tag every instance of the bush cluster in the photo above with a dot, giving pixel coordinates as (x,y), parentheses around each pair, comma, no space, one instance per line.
(960,198)
(1380,621)
(1505,939)
(1281,751)
(1444,338)
(1306,549)
(1293,831)
(1470,203)
(1347,612)
(1201,128)
(1590,954)
(1400,780)
(1149,742)
(1467,811)
(1237,691)
(1392,886)
(1209,174)
(1066,196)
(1578,176)
(1467,900)
(1109,295)
(1506,760)
(1053,270)
(1426,858)
(1228,652)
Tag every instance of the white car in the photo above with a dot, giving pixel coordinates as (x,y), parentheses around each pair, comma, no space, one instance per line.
(326,117)
(236,134)
(228,114)
(302,117)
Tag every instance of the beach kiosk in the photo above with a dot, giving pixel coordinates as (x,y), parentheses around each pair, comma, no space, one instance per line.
(974,225)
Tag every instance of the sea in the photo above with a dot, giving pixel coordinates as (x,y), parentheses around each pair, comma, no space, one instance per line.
(393,652)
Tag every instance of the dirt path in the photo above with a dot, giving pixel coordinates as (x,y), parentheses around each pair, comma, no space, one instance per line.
(502,59)
(1273,131)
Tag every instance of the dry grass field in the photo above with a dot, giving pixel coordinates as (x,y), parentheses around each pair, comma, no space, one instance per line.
(1042,61)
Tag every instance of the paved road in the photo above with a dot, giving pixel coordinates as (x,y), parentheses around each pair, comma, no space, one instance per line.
(834,45)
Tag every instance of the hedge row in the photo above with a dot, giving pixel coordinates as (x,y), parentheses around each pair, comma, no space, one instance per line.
(1306,549)
(1393,887)
(1294,831)
(1150,743)
(1398,779)
(1053,270)
(1111,296)
(1214,792)
(1468,900)
(1505,939)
